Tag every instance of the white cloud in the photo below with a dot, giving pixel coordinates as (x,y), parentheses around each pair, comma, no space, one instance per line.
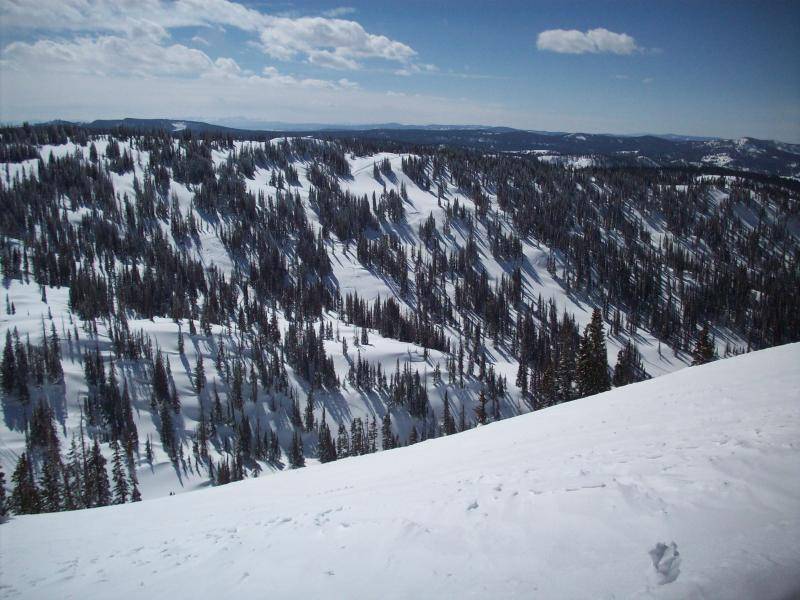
(415,68)
(332,60)
(122,15)
(340,11)
(334,43)
(648,80)
(594,41)
(324,41)
(113,55)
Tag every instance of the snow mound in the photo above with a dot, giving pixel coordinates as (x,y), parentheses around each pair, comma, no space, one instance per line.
(559,503)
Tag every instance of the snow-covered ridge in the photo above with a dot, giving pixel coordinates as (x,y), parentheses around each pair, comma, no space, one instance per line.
(567,502)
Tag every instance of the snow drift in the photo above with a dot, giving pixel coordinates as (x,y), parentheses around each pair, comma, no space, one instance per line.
(685,486)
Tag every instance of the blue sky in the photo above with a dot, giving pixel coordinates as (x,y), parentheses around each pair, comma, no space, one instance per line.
(704,68)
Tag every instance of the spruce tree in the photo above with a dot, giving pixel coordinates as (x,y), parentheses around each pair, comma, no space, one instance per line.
(480,410)
(448,422)
(296,457)
(8,367)
(599,352)
(308,422)
(327,448)
(118,476)
(24,495)
(101,490)
(52,482)
(704,350)
(199,374)
(3,503)
(387,440)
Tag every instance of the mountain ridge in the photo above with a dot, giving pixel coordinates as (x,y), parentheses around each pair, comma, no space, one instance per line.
(745,154)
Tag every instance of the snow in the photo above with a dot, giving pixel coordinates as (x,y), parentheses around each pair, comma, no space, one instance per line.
(684,486)
(348,273)
(575,162)
(720,160)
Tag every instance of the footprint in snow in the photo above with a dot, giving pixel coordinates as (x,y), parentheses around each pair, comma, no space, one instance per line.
(473,505)
(666,562)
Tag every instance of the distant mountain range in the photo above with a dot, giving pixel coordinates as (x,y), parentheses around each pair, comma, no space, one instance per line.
(743,154)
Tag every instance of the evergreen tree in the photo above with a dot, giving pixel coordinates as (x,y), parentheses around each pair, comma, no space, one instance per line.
(52,483)
(599,352)
(73,477)
(327,448)
(118,476)
(296,457)
(199,374)
(448,422)
(136,495)
(24,495)
(101,490)
(308,422)
(387,439)
(480,410)
(704,351)
(3,502)
(8,367)
(342,442)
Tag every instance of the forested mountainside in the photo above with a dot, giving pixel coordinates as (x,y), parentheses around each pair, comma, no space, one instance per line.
(715,155)
(187,308)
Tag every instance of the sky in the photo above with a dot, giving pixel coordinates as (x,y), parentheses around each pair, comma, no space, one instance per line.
(727,68)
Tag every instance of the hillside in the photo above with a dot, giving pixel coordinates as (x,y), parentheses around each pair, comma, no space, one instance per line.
(566,502)
(766,157)
(343,297)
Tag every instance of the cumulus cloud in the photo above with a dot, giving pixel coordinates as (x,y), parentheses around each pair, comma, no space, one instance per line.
(340,11)
(113,55)
(326,41)
(335,43)
(123,15)
(593,41)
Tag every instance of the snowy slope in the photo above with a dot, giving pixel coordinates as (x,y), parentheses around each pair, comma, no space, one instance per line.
(350,275)
(562,503)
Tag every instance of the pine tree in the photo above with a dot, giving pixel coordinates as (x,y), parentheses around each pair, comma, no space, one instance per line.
(327,448)
(387,440)
(296,457)
(584,366)
(73,477)
(3,502)
(101,490)
(148,451)
(199,374)
(448,422)
(118,476)
(599,352)
(480,410)
(592,365)
(8,367)
(704,350)
(136,495)
(24,495)
(52,482)
(308,422)
(342,442)
(160,380)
